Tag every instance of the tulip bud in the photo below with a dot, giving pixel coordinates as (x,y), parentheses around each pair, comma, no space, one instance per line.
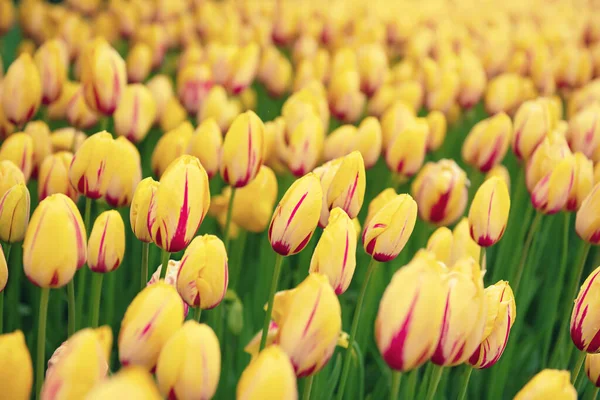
(440,190)
(472,78)
(592,368)
(42,144)
(103,76)
(243,150)
(136,113)
(55,243)
(584,325)
(10,175)
(179,205)
(52,61)
(501,314)
(366,139)
(6,128)
(395,120)
(406,152)
(388,230)
(345,99)
(268,376)
(153,316)
(124,173)
(335,253)
(21,91)
(78,113)
(216,105)
(587,225)
(88,169)
(14,213)
(437,124)
(173,115)
(140,205)
(189,364)
(171,145)
(82,364)
(582,185)
(372,67)
(573,67)
(532,123)
(18,148)
(305,145)
(549,383)
(206,144)
(139,62)
(245,66)
(584,130)
(67,139)
(162,91)
(194,81)
(130,382)
(106,245)
(16,374)
(489,210)
(7,16)
(407,328)
(296,216)
(488,141)
(504,93)
(499,171)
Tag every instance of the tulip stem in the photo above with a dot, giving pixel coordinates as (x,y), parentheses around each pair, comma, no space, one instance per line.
(396,381)
(228,219)
(41,340)
(465,382)
(354,328)
(482,259)
(308,382)
(96,296)
(412,383)
(525,252)
(435,381)
(578,364)
(87,214)
(274,284)
(82,276)
(197,314)
(71,309)
(595,395)
(145,252)
(165,264)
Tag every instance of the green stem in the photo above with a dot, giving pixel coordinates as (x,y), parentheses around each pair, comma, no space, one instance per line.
(354,328)
(525,252)
(96,296)
(87,214)
(274,284)
(82,276)
(435,381)
(396,380)
(577,368)
(197,314)
(71,297)
(308,382)
(228,219)
(595,395)
(41,340)
(482,258)
(165,264)
(144,274)
(465,382)
(412,383)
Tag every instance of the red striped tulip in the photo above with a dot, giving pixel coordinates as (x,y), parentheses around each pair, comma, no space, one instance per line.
(406,152)
(14,213)
(16,373)
(42,144)
(583,133)
(583,182)
(136,113)
(106,245)
(206,144)
(585,330)
(170,146)
(532,123)
(194,81)
(140,208)
(52,61)
(592,368)
(88,170)
(489,210)
(124,173)
(550,383)
(21,91)
(131,382)
(270,375)
(487,143)
(18,148)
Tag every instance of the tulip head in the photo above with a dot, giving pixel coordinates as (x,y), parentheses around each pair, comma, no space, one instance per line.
(438,127)
(244,68)
(582,185)
(132,382)
(16,374)
(10,175)
(136,113)
(194,81)
(18,148)
(584,323)
(592,368)
(42,144)
(549,383)
(532,123)
(305,145)
(161,88)
(206,144)
(270,375)
(106,245)
(89,167)
(140,205)
(124,174)
(489,210)
(406,152)
(21,90)
(488,141)
(583,133)
(139,62)
(77,111)
(218,106)
(52,61)
(14,213)
(393,121)
(170,146)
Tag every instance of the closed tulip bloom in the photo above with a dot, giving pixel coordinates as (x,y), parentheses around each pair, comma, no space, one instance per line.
(139,62)
(52,61)
(592,368)
(335,253)
(270,375)
(504,93)
(584,323)
(153,316)
(305,145)
(55,243)
(473,79)
(386,234)
(162,91)
(106,245)
(366,139)
(245,66)
(136,113)
(406,152)
(346,101)
(21,90)
(243,150)
(189,364)
(171,145)
(124,174)
(394,120)
(16,374)
(14,213)
(10,175)
(499,171)
(130,382)
(501,314)
(218,106)
(464,322)
(436,121)
(206,143)
(88,170)
(489,210)
(378,202)
(81,365)
(410,313)
(194,81)
(296,216)
(58,108)
(584,130)
(487,143)
(78,112)
(532,123)
(54,176)
(173,115)
(179,205)
(7,16)
(140,207)
(18,148)
(440,244)
(372,67)
(548,384)
(103,76)
(42,144)
(573,67)
(204,274)
(440,190)
(582,185)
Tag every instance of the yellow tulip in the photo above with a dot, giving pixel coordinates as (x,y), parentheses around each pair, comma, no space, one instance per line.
(499,171)
(572,67)
(106,245)
(124,172)
(406,152)
(88,170)
(171,145)
(7,16)
(345,98)
(54,176)
(305,145)
(194,81)
(10,175)
(550,383)
(366,139)
(583,181)
(244,68)
(473,79)
(592,368)
(21,91)
(42,144)
(275,72)
(532,123)
(504,93)
(78,112)
(136,113)
(373,66)
(140,206)
(58,108)
(487,143)
(218,106)
(437,124)
(173,115)
(162,91)
(16,374)
(393,121)
(206,143)
(584,325)
(130,382)
(489,210)
(584,131)
(139,62)
(14,213)
(18,148)
(52,61)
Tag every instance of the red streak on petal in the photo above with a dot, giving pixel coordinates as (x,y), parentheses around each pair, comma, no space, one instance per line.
(394,354)
(179,242)
(303,243)
(312,314)
(439,357)
(295,210)
(54,280)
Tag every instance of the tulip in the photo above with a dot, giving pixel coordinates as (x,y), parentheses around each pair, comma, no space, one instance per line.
(52,61)
(21,91)
(58,108)
(489,210)
(335,253)
(532,123)
(276,74)
(464,322)
(504,93)
(79,114)
(584,326)
(88,170)
(194,81)
(488,141)
(442,84)
(106,245)
(173,115)
(499,171)
(6,128)
(583,133)
(245,66)
(305,145)
(153,316)
(136,113)
(592,368)
(7,16)
(82,364)
(131,382)
(125,172)
(42,144)
(16,375)
(143,197)
(171,145)
(406,152)
(472,78)
(440,192)
(54,178)
(407,328)
(179,205)
(14,213)
(501,314)
(10,175)
(582,185)
(139,62)
(103,76)
(270,375)
(206,144)
(372,67)
(18,148)
(170,277)
(218,106)
(549,383)
(296,216)
(394,120)
(572,67)
(347,138)
(345,98)
(162,91)
(437,124)
(189,364)
(55,243)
